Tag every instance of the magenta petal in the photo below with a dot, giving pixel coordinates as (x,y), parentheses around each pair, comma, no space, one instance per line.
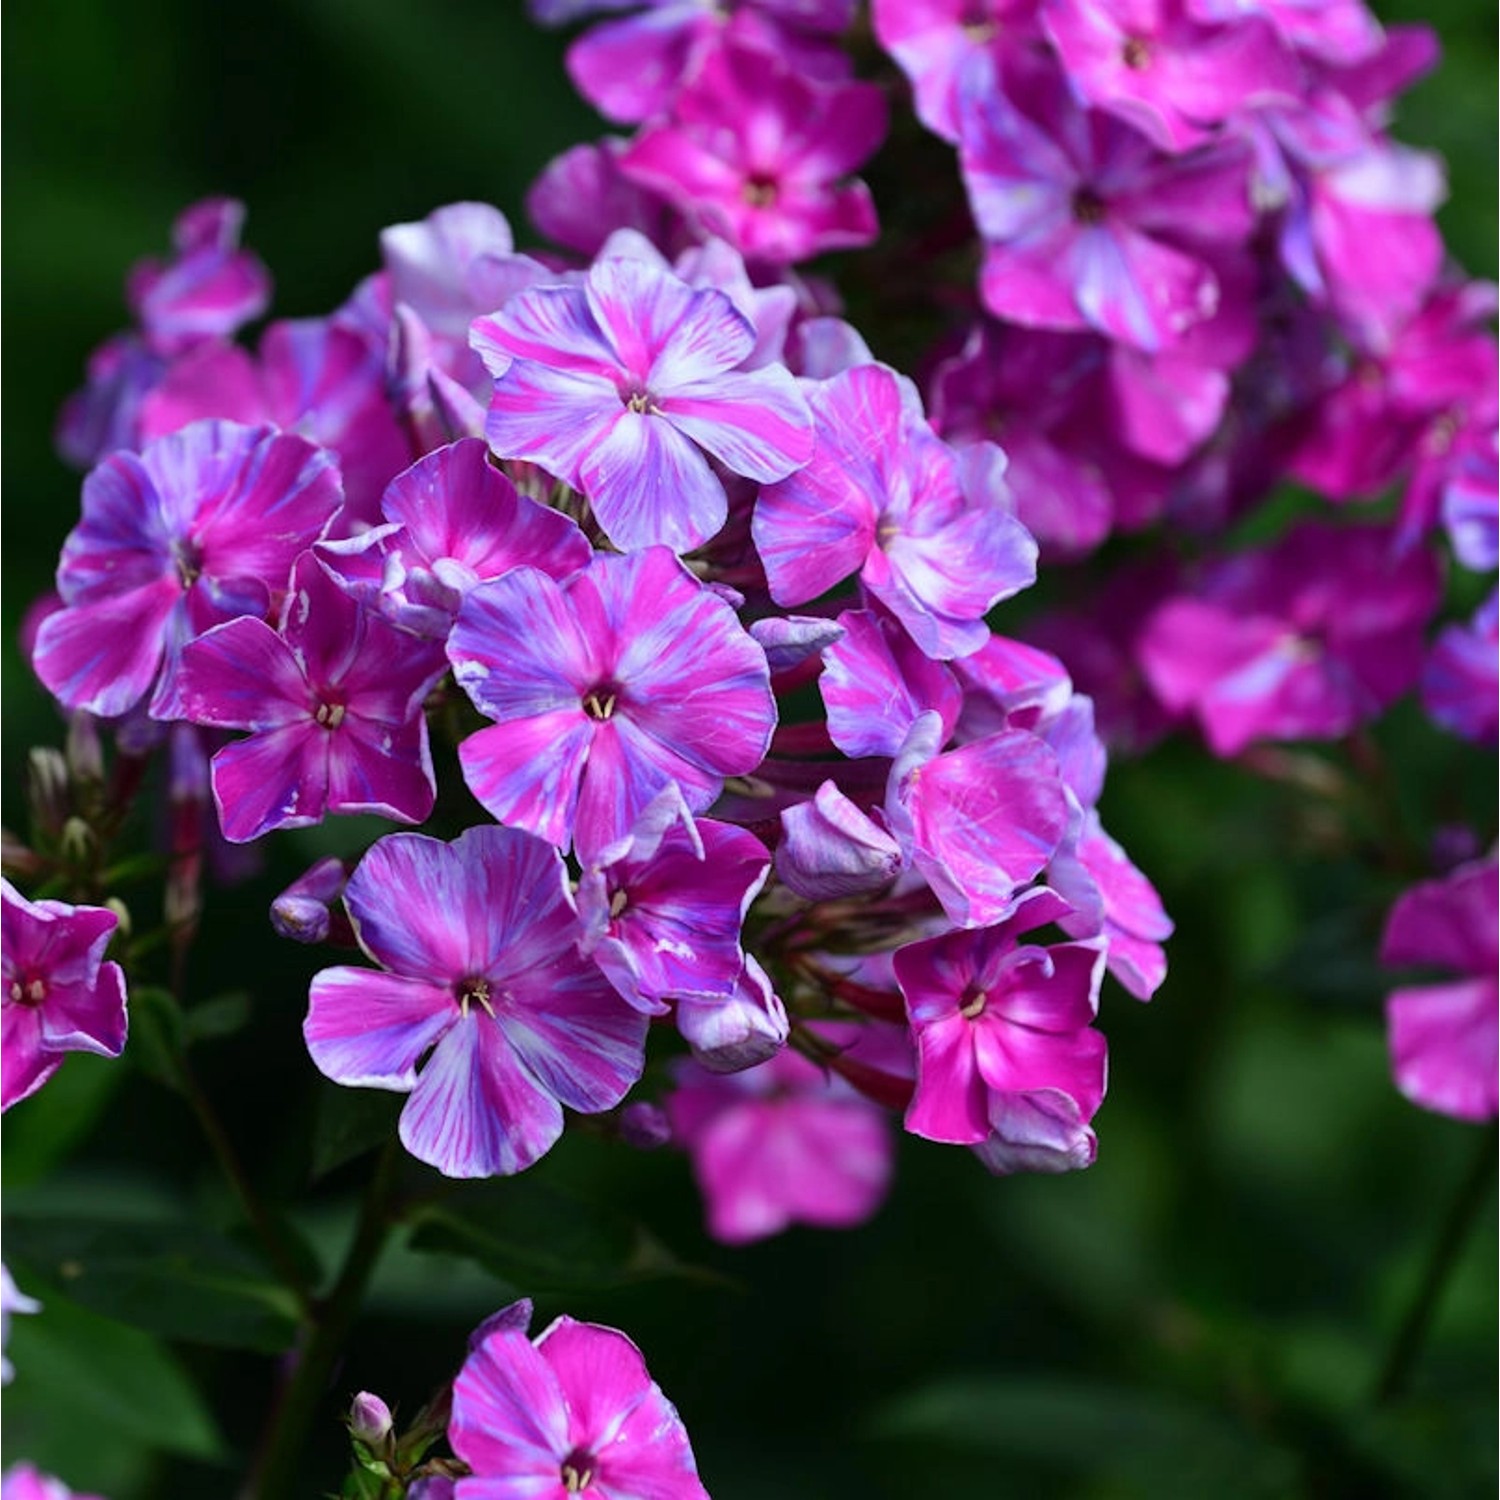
(103,655)
(509,1418)
(524,422)
(278,779)
(585,1045)
(242,675)
(1037,1132)
(476,1110)
(381,768)
(830,849)
(1444,1048)
(26,1064)
(367,1029)
(755,423)
(950,1103)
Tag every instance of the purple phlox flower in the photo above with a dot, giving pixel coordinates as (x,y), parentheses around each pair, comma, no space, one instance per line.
(783,1143)
(481,975)
(994,1017)
(876,682)
(818,348)
(1371,83)
(1461,679)
(978,822)
(458,262)
(633,69)
(1008,684)
(208,289)
(1033,392)
(575,1412)
(1443,1036)
(1109,895)
(662,908)
(1305,639)
(433,407)
(201,526)
(581,197)
(792,643)
(451,520)
(935,42)
(302,912)
(26,1482)
(333,703)
(759,153)
(60,995)
(311,377)
(604,688)
(12,1300)
(926,528)
(1154,64)
(1338,32)
(716,263)
(1085,223)
(738,1030)
(104,414)
(1471,499)
(623,386)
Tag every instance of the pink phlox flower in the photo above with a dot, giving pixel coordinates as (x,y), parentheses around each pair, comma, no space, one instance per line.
(1009,684)
(1471,499)
(662,908)
(481,976)
(995,1018)
(1085,223)
(104,414)
(759,153)
(1443,1036)
(926,528)
(573,1412)
(624,386)
(604,688)
(451,520)
(333,703)
(203,525)
(1461,678)
(822,346)
(1305,639)
(1157,66)
(935,41)
(633,69)
(12,1300)
(581,197)
(311,377)
(780,1144)
(25,1481)
(1338,32)
(729,1032)
(59,993)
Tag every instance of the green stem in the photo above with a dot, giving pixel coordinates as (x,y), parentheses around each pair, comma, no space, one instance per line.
(282,1459)
(282,1258)
(1473,1193)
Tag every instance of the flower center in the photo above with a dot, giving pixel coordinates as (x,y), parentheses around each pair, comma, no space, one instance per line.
(1088,206)
(28,992)
(599,702)
(474,991)
(577,1471)
(640,402)
(618,902)
(189,559)
(759,190)
(1135,54)
(330,715)
(973,1003)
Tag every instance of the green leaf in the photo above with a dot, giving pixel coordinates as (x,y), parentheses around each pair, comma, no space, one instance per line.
(84,1383)
(174,1278)
(156,1034)
(1149,1443)
(221,1016)
(541,1240)
(56,1120)
(349,1123)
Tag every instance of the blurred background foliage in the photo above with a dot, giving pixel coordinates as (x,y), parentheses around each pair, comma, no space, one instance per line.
(1205,1313)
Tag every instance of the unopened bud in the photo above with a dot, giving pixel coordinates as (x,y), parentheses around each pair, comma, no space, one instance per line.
(644,1126)
(78,842)
(370,1422)
(122,915)
(47,790)
(301,912)
(85,750)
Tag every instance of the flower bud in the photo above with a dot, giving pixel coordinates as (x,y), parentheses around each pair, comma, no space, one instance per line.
(301,912)
(644,1126)
(370,1421)
(47,790)
(85,751)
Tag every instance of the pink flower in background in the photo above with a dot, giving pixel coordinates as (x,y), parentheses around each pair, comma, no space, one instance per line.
(759,153)
(574,1411)
(624,386)
(333,703)
(1461,678)
(26,1482)
(59,994)
(783,1143)
(605,688)
(1443,1036)
(201,527)
(481,976)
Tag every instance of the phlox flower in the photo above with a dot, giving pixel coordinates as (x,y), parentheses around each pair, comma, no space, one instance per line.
(203,525)
(925,528)
(1001,1024)
(481,976)
(623,386)
(783,1143)
(27,1482)
(758,152)
(573,1412)
(1443,1036)
(1461,676)
(333,703)
(59,994)
(605,688)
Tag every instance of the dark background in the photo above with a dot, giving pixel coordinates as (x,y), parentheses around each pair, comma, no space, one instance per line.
(1203,1313)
